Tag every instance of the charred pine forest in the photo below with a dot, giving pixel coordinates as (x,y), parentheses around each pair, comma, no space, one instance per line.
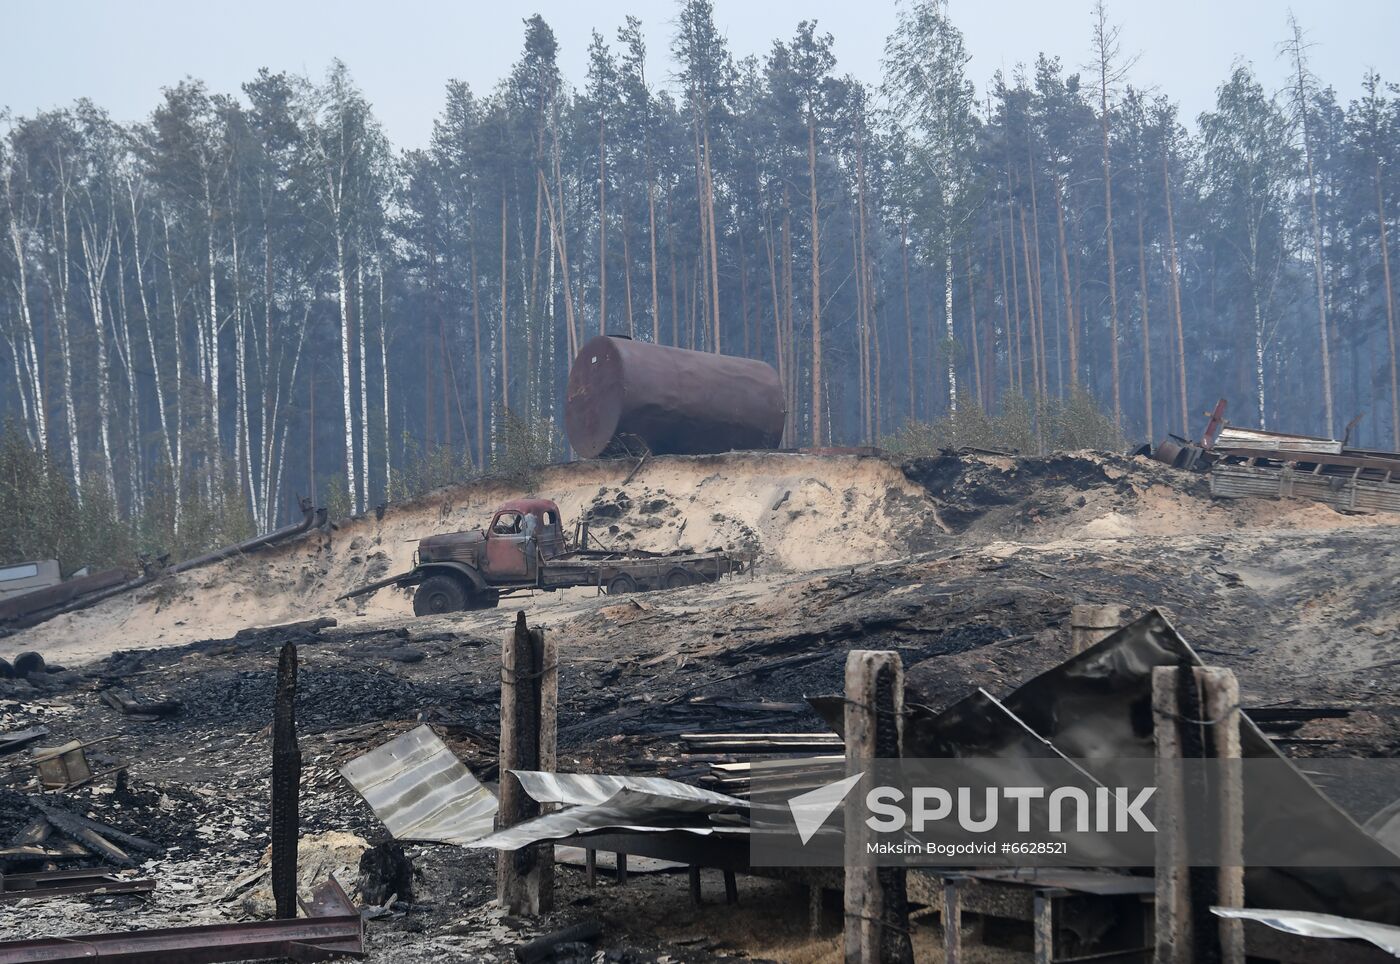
(251,294)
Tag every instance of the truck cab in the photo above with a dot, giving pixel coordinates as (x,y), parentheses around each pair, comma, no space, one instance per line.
(467,570)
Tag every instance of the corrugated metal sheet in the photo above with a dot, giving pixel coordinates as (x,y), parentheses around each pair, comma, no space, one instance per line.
(582,789)
(630,810)
(605,802)
(421,791)
(1257,440)
(1229,480)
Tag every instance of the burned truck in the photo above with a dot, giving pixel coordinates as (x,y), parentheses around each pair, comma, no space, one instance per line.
(526,548)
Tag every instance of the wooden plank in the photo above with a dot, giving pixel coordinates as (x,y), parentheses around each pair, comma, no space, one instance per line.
(877,907)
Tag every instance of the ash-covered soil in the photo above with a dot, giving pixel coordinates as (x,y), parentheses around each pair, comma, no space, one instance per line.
(1295,598)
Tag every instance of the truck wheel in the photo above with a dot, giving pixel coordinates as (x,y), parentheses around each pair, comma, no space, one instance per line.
(620,584)
(678,579)
(485,599)
(439,594)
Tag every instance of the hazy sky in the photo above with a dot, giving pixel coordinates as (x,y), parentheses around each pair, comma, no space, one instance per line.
(401,53)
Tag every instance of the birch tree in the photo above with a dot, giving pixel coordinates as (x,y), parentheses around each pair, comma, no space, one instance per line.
(931,102)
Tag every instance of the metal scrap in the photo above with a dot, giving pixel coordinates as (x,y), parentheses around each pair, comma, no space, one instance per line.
(588,789)
(19,739)
(64,767)
(1330,926)
(68,883)
(331,928)
(1258,440)
(421,791)
(605,802)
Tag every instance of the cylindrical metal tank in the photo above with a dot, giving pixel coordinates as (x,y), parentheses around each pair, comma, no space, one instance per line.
(677,402)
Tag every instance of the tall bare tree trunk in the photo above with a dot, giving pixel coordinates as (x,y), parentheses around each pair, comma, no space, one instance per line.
(1296,47)
(1108,237)
(505,337)
(384,384)
(773,285)
(158,387)
(1389,311)
(364,379)
(602,228)
(557,230)
(1039,287)
(972,337)
(651,232)
(476,359)
(178,354)
(908,319)
(714,243)
(1071,320)
(816,285)
(1019,365)
(96,256)
(1146,328)
(342,273)
(1176,292)
(627,276)
(28,352)
(70,409)
(1036,379)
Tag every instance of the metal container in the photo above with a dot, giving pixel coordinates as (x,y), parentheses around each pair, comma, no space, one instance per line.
(672,401)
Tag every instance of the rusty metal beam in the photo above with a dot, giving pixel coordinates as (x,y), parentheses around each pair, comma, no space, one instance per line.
(286,785)
(332,929)
(65,883)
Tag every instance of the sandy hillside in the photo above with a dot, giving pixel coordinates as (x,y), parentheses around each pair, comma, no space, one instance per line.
(799,512)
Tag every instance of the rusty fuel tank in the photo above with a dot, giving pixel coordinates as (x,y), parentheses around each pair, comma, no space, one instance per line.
(675,401)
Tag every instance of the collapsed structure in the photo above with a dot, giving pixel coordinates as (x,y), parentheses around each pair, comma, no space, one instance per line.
(1252,463)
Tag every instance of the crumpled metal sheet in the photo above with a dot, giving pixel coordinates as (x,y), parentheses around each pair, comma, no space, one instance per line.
(581,789)
(421,791)
(1258,440)
(1097,705)
(643,804)
(1384,936)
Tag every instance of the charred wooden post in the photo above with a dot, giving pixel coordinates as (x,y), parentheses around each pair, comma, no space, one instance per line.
(877,906)
(1088,624)
(529,706)
(1196,715)
(286,785)
(1220,699)
(952,920)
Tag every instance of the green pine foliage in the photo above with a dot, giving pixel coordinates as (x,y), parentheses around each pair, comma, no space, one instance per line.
(1016,427)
